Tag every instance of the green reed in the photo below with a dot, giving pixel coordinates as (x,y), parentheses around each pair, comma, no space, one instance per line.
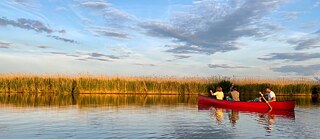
(98,85)
(290,89)
(11,83)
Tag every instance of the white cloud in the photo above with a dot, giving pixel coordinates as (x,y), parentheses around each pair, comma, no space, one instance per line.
(295,56)
(4,44)
(292,15)
(110,32)
(225,66)
(26,3)
(95,4)
(116,14)
(307,70)
(214,26)
(308,41)
(28,24)
(62,39)
(115,20)
(61,9)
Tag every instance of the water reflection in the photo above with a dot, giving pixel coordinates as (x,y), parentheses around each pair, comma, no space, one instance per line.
(316,99)
(141,116)
(268,120)
(217,113)
(36,100)
(265,118)
(233,117)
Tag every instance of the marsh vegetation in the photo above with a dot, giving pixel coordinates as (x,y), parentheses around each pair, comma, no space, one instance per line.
(87,84)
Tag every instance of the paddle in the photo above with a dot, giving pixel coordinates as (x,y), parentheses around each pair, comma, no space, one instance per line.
(270,108)
(232,85)
(229,93)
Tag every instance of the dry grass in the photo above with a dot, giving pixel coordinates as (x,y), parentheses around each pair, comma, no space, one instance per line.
(278,81)
(84,83)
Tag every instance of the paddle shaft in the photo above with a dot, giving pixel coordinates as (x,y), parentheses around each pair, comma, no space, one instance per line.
(266,101)
(229,93)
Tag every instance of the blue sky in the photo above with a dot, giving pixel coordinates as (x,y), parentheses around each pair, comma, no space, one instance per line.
(242,38)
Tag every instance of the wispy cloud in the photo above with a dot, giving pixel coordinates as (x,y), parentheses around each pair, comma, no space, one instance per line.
(124,52)
(61,9)
(62,39)
(28,24)
(292,15)
(113,33)
(59,53)
(62,31)
(99,55)
(117,15)
(188,49)
(181,56)
(5,45)
(212,26)
(110,32)
(64,54)
(309,25)
(35,25)
(110,13)
(143,64)
(26,3)
(43,46)
(178,57)
(316,4)
(86,21)
(306,42)
(98,59)
(306,70)
(225,66)
(296,56)
(95,4)
(115,19)
(84,56)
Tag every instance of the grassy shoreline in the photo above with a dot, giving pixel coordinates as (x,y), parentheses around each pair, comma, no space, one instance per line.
(86,84)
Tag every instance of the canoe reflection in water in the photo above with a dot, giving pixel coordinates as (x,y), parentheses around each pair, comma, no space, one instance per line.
(268,120)
(218,114)
(233,117)
(265,118)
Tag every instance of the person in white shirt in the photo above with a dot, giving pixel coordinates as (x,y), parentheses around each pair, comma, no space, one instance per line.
(271,95)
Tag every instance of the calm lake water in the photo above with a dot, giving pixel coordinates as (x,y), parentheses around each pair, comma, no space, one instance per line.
(129,116)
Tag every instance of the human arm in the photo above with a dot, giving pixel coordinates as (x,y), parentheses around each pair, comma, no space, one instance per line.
(272,96)
(211,92)
(270,108)
(272,99)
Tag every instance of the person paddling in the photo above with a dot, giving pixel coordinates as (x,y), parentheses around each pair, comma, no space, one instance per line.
(234,94)
(271,95)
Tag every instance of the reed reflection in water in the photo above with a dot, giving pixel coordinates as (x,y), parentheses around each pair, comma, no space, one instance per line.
(83,100)
(140,116)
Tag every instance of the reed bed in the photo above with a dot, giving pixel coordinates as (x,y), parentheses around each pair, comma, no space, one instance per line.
(89,84)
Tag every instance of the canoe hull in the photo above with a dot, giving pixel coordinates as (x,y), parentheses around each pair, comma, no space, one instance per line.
(278,105)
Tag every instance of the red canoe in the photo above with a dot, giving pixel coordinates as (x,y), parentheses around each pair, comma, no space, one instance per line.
(278,105)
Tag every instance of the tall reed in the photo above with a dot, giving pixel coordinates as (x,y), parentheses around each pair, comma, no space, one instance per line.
(52,84)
